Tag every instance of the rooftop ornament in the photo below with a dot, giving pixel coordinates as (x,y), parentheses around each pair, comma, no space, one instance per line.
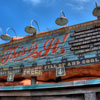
(31,29)
(7,37)
(62,20)
(96,11)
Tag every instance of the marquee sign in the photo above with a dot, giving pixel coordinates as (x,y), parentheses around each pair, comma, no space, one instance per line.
(73,63)
(33,51)
(72,48)
(60,71)
(7,71)
(32,71)
(10,77)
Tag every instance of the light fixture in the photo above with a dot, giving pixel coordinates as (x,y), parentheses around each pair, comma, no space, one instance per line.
(96,11)
(5,36)
(31,29)
(62,20)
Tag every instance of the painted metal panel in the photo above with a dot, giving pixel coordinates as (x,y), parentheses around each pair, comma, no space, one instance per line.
(73,48)
(90,96)
(56,85)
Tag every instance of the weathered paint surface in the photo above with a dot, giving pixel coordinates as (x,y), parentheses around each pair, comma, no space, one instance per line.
(50,49)
(57,85)
(90,96)
(33,51)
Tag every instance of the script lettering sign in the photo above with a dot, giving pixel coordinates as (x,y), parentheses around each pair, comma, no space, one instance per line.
(69,49)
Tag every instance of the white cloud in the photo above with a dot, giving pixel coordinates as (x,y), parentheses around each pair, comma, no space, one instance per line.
(34,2)
(83,1)
(73,6)
(37,2)
(78,4)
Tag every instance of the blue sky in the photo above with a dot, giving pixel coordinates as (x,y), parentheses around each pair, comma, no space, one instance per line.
(19,13)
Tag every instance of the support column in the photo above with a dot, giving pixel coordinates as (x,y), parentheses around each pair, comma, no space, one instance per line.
(90,96)
(98,17)
(33,80)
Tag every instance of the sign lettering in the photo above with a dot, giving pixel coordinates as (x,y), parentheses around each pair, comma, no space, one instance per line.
(37,71)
